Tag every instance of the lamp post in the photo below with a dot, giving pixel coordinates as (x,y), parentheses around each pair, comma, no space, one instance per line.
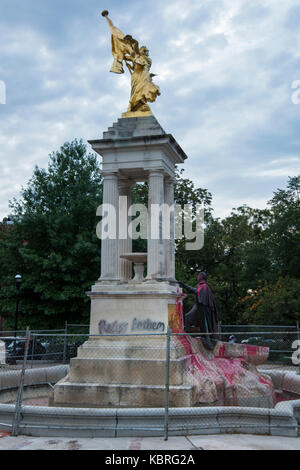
(18,281)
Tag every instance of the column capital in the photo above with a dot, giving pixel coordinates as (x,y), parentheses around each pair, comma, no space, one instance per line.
(109,174)
(125,184)
(156,172)
(170,179)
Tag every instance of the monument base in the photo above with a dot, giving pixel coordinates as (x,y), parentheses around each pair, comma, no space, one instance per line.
(127,372)
(130,372)
(123,382)
(126,365)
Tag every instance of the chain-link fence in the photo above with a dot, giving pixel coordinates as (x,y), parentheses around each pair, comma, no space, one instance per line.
(279,340)
(45,346)
(160,384)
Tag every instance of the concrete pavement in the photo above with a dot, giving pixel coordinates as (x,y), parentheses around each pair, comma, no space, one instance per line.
(218,442)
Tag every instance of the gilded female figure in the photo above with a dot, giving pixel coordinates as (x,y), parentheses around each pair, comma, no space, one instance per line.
(143,89)
(126,48)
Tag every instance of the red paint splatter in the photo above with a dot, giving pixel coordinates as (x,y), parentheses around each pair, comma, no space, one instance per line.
(224,371)
(135,444)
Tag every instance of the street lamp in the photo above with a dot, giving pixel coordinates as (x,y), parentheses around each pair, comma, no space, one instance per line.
(18,281)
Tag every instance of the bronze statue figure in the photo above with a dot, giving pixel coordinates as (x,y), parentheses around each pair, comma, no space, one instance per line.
(203,316)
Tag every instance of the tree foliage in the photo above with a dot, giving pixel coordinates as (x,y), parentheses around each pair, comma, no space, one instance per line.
(53,242)
(255,251)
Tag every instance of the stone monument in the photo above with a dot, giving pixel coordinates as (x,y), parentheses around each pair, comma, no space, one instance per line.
(130,370)
(123,363)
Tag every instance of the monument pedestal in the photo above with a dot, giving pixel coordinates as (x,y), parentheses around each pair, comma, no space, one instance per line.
(130,372)
(127,374)
(115,370)
(131,308)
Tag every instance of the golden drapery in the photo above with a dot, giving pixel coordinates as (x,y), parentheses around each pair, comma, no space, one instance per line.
(126,48)
(143,90)
(121,45)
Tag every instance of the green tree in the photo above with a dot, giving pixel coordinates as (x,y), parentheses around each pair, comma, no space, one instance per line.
(284,231)
(274,299)
(226,256)
(53,242)
(277,303)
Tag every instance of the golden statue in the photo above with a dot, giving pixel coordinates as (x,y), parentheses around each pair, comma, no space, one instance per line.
(138,62)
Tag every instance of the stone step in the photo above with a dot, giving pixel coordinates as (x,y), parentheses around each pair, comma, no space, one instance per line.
(110,395)
(133,348)
(134,127)
(126,371)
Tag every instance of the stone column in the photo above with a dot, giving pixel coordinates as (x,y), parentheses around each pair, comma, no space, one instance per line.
(170,243)
(125,242)
(156,251)
(109,246)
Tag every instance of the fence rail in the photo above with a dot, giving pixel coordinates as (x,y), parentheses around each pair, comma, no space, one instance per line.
(156,371)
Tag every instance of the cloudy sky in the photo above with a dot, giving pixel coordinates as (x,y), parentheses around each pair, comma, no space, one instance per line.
(225,68)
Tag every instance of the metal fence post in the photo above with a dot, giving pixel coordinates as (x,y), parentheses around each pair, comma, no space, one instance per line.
(65,344)
(166,422)
(32,350)
(16,421)
(298,335)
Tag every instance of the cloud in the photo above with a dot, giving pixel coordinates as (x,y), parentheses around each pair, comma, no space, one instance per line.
(225,70)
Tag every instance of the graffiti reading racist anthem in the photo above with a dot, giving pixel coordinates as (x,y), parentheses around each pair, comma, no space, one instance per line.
(115,328)
(119,328)
(147,325)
